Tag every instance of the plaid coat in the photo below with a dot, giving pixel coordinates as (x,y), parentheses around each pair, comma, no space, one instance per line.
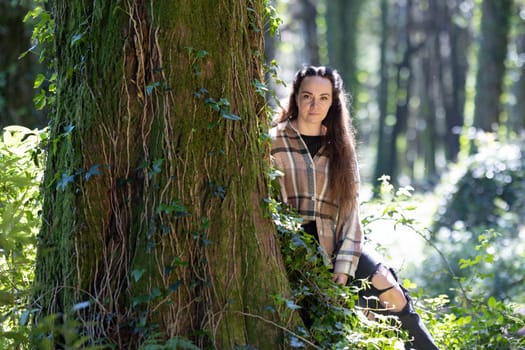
(304,186)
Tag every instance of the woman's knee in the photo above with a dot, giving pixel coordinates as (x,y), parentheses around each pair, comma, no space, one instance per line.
(391,296)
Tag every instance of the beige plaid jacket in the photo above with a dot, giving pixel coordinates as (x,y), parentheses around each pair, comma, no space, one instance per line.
(304,186)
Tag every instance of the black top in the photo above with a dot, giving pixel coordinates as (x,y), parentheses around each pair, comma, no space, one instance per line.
(314,143)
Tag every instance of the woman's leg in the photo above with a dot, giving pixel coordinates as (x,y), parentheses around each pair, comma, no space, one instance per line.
(386,295)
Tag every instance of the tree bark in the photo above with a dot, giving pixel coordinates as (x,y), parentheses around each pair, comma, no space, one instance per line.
(155,176)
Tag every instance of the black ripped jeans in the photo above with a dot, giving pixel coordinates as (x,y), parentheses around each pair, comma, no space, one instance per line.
(369,263)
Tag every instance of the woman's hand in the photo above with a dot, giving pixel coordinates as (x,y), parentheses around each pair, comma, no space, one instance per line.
(340,278)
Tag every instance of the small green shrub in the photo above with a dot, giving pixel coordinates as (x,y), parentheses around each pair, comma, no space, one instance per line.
(484,193)
(486,190)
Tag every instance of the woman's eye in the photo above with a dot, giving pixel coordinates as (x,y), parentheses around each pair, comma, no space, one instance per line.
(306,97)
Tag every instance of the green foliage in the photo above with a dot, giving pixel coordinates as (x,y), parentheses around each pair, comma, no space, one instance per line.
(42,38)
(474,318)
(480,223)
(336,320)
(486,190)
(272,21)
(20,175)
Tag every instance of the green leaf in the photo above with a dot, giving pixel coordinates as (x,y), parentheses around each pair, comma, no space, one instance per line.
(157,165)
(201,53)
(492,303)
(291,305)
(230,116)
(224,102)
(25,317)
(40,99)
(82,305)
(40,78)
(94,170)
(76,38)
(174,286)
(68,129)
(151,87)
(66,179)
(137,274)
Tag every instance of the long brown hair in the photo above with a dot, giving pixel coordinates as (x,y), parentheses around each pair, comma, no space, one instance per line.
(340,135)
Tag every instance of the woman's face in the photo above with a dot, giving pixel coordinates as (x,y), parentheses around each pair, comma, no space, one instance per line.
(313,99)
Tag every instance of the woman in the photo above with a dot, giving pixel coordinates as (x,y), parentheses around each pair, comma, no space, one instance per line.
(313,144)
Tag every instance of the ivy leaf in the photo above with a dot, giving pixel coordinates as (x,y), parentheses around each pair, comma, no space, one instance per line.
(151,87)
(230,116)
(137,274)
(296,343)
(157,165)
(81,305)
(40,78)
(64,181)
(94,170)
(68,129)
(174,286)
(25,317)
(40,99)
(76,38)
(291,305)
(224,102)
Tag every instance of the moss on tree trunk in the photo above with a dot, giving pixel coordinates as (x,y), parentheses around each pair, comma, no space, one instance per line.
(155,176)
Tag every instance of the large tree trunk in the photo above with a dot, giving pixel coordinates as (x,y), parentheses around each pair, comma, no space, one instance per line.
(153,191)
(495,24)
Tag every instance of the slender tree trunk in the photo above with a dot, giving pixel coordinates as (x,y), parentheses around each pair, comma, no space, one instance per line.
(454,77)
(495,25)
(155,176)
(308,18)
(517,111)
(404,78)
(382,166)
(342,32)
(429,137)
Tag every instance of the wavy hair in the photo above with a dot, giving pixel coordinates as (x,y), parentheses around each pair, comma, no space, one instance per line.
(339,138)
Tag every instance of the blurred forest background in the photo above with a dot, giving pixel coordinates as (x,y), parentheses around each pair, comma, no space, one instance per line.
(438,100)
(438,94)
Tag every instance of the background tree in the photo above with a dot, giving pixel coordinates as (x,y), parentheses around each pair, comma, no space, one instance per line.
(382,165)
(456,40)
(342,33)
(405,49)
(494,34)
(152,217)
(517,74)
(17,74)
